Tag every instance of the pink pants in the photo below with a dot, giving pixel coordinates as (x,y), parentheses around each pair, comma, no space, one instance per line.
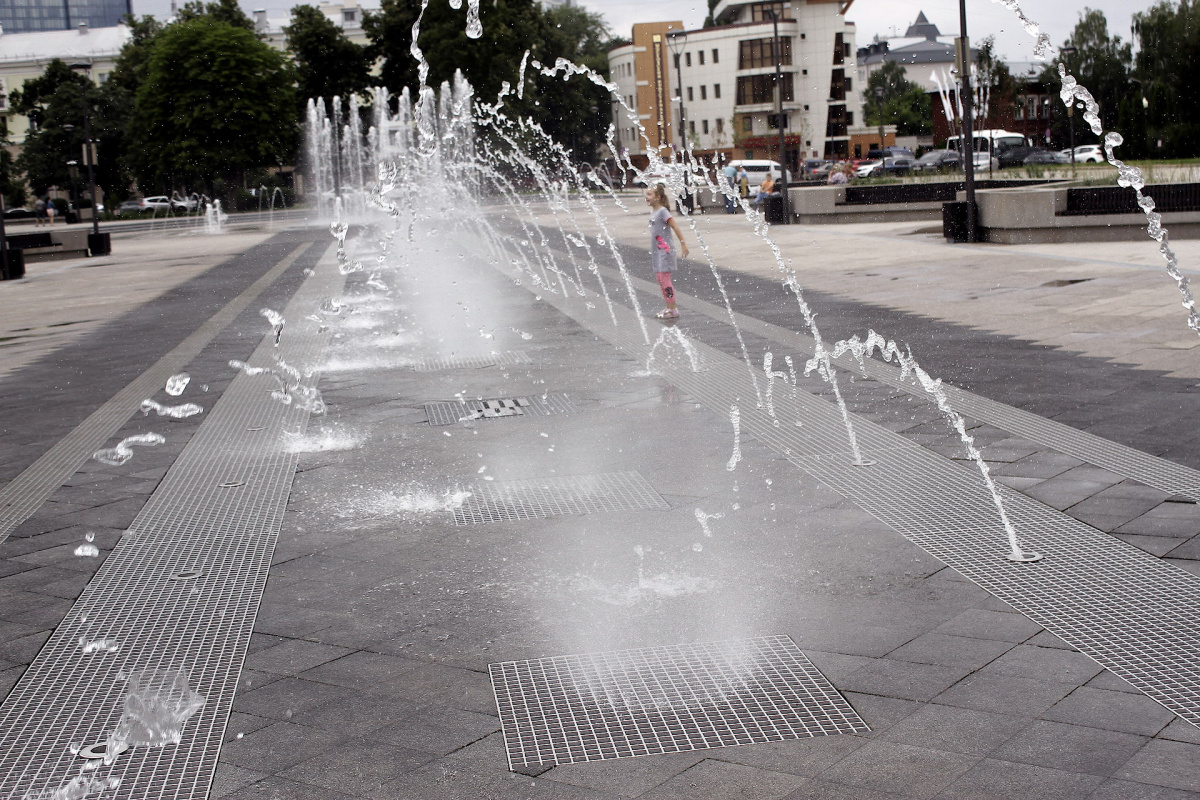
(664,283)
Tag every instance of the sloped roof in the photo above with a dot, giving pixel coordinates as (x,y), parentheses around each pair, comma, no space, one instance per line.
(922,28)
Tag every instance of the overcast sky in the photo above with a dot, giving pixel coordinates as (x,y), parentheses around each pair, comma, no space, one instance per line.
(873,17)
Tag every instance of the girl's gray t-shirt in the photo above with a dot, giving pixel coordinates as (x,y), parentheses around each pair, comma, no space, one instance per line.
(662,247)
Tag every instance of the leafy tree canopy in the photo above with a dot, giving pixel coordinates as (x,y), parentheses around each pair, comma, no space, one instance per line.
(227,11)
(903,103)
(328,64)
(1163,99)
(1101,63)
(572,112)
(216,102)
(55,103)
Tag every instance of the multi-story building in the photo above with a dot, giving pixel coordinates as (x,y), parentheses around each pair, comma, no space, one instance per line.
(24,56)
(27,16)
(347,15)
(717,86)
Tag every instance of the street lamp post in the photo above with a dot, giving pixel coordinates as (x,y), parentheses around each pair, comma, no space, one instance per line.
(777,52)
(677,41)
(879,108)
(97,244)
(1070,51)
(964,66)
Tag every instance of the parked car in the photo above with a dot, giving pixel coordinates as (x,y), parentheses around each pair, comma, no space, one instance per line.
(1040,156)
(888,166)
(129,207)
(891,151)
(758,169)
(816,169)
(1013,156)
(183,203)
(867,168)
(1088,153)
(157,203)
(17,213)
(982,162)
(939,161)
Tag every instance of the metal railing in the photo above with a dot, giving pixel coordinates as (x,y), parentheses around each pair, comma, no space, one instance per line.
(1119,200)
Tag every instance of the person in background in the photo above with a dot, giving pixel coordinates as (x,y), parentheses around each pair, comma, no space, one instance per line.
(764,191)
(50,211)
(39,212)
(730,192)
(743,181)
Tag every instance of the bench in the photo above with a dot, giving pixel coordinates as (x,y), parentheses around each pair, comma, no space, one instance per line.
(28,241)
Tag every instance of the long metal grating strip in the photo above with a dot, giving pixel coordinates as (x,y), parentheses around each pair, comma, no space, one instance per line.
(595,706)
(24,494)
(550,497)
(1133,613)
(543,405)
(436,364)
(215,515)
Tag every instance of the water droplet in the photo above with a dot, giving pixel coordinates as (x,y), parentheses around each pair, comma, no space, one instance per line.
(89,536)
(87,551)
(697,547)
(177,383)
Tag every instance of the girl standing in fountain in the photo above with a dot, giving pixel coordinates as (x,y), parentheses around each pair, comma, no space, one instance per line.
(662,251)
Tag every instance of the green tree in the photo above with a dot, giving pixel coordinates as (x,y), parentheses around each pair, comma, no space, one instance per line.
(129,71)
(328,64)
(54,103)
(1101,63)
(227,11)
(1166,92)
(903,104)
(711,20)
(216,102)
(510,27)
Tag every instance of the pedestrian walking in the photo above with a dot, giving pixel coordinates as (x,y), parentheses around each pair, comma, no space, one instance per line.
(39,213)
(730,189)
(662,250)
(50,211)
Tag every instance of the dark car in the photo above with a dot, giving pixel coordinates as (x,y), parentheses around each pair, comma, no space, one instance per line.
(1039,156)
(816,169)
(891,151)
(17,213)
(1012,156)
(939,161)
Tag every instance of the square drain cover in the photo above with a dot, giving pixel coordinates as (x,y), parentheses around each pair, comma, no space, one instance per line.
(567,709)
(448,413)
(508,359)
(552,497)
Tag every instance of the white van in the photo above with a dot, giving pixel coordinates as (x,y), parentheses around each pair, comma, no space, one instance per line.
(757,170)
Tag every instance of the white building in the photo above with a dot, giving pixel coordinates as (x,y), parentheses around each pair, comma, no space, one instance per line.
(725,77)
(348,16)
(24,56)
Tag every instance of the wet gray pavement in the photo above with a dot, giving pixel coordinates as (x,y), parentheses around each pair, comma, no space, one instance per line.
(366,674)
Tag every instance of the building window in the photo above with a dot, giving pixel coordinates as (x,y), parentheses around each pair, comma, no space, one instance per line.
(692,125)
(348,15)
(754,53)
(717,90)
(803,72)
(773,121)
(687,59)
(849,117)
(762,12)
(720,126)
(716,56)
(701,54)
(690,98)
(752,89)
(802,36)
(839,49)
(703,92)
(704,126)
(748,124)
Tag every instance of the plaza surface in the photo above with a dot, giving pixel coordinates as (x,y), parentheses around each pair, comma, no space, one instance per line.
(366,674)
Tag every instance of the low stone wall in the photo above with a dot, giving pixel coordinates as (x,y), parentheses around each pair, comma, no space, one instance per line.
(1035,215)
(69,242)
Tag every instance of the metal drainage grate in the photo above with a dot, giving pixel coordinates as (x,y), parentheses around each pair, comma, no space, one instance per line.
(595,706)
(448,413)
(552,497)
(508,359)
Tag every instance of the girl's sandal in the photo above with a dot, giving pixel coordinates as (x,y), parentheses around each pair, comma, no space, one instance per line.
(666,313)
